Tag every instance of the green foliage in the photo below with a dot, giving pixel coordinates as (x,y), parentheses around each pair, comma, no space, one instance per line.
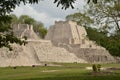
(99,67)
(7,6)
(106,14)
(66,72)
(5,21)
(25,19)
(37,26)
(65,3)
(14,19)
(69,3)
(80,18)
(111,43)
(96,68)
(40,29)
(6,34)
(94,1)
(94,35)
(43,32)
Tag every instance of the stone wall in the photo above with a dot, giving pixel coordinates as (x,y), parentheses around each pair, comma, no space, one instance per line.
(35,52)
(21,30)
(57,34)
(50,53)
(90,55)
(69,32)
(68,35)
(66,42)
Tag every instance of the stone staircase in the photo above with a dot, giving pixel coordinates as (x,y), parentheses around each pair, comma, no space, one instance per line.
(90,55)
(34,53)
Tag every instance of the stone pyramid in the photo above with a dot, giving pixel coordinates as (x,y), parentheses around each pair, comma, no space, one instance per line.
(69,35)
(21,30)
(35,52)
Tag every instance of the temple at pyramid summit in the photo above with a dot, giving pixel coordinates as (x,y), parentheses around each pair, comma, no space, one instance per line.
(72,37)
(65,42)
(69,33)
(22,30)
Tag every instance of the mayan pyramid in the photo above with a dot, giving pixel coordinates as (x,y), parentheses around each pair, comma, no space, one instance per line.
(35,52)
(69,35)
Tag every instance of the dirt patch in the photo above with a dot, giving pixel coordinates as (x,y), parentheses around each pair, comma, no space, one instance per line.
(50,70)
(112,68)
(102,73)
(90,68)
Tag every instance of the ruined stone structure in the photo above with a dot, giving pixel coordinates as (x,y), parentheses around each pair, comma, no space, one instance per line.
(66,32)
(66,42)
(35,53)
(22,30)
(69,35)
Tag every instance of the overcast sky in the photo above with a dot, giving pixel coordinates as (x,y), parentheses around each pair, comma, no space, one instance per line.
(46,11)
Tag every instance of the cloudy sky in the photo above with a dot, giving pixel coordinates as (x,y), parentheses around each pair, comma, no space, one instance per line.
(46,11)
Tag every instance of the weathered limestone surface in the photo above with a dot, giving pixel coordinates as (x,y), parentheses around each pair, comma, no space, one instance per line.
(21,30)
(69,35)
(20,56)
(90,54)
(66,42)
(35,52)
(66,33)
(50,53)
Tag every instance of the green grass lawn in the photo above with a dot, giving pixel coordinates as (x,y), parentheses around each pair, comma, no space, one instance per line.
(68,71)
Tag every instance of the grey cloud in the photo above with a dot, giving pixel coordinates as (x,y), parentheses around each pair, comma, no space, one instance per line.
(46,11)
(48,6)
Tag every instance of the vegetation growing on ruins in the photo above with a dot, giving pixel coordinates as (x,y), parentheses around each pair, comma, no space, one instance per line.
(6,34)
(106,18)
(25,19)
(7,6)
(111,43)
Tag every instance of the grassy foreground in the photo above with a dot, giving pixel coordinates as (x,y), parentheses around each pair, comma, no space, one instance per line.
(67,71)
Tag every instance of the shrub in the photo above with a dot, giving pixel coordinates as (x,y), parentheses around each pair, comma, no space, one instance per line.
(94,67)
(99,67)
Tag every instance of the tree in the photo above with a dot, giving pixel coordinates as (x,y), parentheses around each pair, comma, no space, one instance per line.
(69,3)
(106,14)
(81,19)
(6,34)
(7,6)
(14,19)
(37,26)
(25,19)
(40,29)
(111,43)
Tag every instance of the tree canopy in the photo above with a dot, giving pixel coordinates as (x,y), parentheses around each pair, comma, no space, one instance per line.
(69,3)
(7,6)
(38,27)
(6,34)
(81,19)
(105,16)
(111,43)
